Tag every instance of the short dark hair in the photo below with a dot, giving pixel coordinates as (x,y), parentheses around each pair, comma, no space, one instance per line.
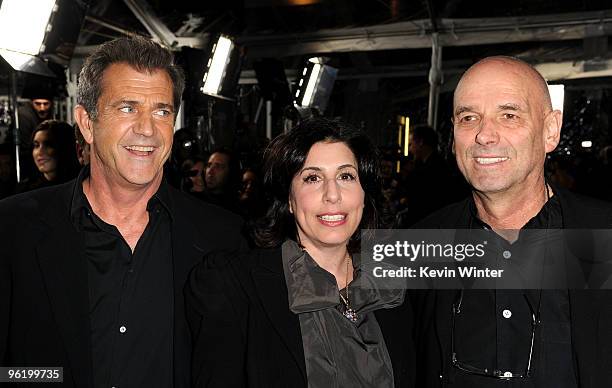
(283,159)
(233,164)
(140,53)
(426,134)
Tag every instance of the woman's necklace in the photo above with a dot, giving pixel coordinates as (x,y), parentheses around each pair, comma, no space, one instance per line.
(348,312)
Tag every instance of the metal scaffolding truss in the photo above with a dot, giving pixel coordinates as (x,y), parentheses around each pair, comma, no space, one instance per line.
(451,32)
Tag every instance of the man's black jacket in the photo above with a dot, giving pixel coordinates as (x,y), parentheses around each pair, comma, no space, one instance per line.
(44,298)
(590,310)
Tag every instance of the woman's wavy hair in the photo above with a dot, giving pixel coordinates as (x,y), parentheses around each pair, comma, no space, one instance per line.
(284,158)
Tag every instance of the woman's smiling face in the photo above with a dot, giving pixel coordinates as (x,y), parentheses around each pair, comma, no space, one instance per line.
(326,196)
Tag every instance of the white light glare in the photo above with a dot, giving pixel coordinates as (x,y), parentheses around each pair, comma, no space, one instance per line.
(311,85)
(216,70)
(557,95)
(406,134)
(587,144)
(23,24)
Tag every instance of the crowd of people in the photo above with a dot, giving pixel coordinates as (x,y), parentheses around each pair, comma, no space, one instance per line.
(413,186)
(154,265)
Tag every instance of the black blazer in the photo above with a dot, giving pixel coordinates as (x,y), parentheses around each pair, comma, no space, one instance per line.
(246,336)
(590,310)
(44,302)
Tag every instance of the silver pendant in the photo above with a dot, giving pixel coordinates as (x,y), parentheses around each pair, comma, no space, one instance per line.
(350,314)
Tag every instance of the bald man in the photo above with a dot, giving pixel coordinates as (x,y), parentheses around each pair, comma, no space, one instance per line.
(504,125)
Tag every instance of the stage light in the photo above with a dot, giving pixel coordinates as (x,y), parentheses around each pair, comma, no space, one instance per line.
(310,87)
(315,85)
(406,134)
(217,66)
(557,95)
(587,144)
(24,24)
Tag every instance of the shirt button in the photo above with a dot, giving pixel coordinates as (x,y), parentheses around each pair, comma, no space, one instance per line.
(507,254)
(507,314)
(122,329)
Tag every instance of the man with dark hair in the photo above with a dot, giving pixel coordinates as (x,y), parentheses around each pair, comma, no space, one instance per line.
(504,126)
(221,179)
(92,271)
(422,143)
(43,108)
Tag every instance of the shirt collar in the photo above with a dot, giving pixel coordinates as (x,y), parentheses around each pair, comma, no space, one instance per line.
(79,201)
(548,217)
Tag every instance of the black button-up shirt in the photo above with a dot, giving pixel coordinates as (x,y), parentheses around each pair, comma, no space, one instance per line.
(494,327)
(130,296)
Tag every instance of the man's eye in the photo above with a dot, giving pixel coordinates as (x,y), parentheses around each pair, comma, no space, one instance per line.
(163,112)
(510,116)
(467,118)
(126,109)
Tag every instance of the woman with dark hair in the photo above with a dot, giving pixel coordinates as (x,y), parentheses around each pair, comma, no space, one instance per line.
(290,314)
(54,154)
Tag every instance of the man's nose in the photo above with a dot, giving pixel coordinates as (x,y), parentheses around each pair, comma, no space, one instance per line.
(145,125)
(487,133)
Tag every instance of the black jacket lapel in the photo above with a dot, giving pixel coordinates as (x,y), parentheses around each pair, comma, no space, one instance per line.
(272,291)
(185,254)
(62,262)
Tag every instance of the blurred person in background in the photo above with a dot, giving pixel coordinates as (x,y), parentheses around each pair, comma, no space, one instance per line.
(184,147)
(53,154)
(31,113)
(251,195)
(193,170)
(222,179)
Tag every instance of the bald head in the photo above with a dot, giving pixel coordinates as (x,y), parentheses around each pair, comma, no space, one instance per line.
(504,126)
(505,67)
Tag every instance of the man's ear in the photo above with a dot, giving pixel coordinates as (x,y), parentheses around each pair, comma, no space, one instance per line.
(552,130)
(84,122)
